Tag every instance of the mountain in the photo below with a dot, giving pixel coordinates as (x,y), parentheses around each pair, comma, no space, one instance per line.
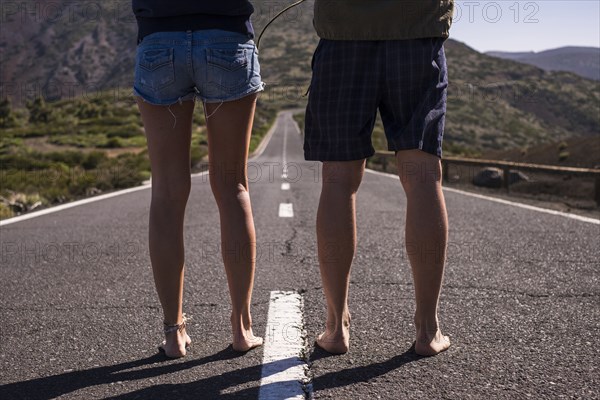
(61,49)
(584,61)
(495,104)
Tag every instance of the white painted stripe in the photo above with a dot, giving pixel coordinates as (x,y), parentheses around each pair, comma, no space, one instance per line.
(285,132)
(284,372)
(507,202)
(61,207)
(286,210)
(284,154)
(72,204)
(285,186)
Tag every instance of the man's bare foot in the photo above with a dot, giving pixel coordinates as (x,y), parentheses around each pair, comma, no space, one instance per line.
(176,344)
(431,342)
(243,337)
(336,338)
(243,344)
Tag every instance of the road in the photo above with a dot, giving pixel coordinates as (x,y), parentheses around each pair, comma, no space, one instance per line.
(80,318)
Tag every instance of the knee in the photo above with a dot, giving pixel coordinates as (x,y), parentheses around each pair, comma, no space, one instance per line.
(420,173)
(342,177)
(227,192)
(171,190)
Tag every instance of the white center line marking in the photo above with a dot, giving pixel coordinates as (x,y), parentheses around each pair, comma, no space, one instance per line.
(284,156)
(285,186)
(284,372)
(286,210)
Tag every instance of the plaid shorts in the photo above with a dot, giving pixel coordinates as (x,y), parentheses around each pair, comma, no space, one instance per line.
(406,80)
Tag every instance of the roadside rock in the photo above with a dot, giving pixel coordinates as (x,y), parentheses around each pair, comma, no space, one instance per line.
(517,176)
(492,177)
(489,177)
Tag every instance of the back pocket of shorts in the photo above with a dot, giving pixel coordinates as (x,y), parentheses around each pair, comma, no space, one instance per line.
(156,68)
(228,68)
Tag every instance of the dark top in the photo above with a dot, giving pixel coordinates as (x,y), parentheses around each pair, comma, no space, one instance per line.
(183,15)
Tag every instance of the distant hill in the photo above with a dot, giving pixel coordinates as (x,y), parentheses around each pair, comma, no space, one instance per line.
(584,61)
(494,103)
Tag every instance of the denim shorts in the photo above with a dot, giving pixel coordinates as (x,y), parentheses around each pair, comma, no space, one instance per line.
(213,65)
(405,80)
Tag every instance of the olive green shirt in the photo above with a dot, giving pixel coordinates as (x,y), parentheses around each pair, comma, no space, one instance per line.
(382,19)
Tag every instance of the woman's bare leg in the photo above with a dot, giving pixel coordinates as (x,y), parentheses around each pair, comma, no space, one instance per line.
(169,152)
(229,127)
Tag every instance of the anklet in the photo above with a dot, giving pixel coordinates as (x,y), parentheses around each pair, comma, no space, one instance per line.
(177,327)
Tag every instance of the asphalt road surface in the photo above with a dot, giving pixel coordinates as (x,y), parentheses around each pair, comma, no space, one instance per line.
(79,317)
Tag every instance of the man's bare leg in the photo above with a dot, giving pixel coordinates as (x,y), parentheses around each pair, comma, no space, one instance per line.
(336,237)
(426,241)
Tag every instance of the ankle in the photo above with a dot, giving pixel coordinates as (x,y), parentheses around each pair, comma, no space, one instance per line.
(241,320)
(176,327)
(338,322)
(427,323)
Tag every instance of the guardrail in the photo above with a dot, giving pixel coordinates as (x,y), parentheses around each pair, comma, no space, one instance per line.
(508,166)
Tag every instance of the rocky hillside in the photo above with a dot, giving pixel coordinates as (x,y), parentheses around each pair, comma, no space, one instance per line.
(499,104)
(61,48)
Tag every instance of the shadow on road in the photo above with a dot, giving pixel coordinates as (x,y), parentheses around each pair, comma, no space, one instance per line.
(209,387)
(205,387)
(358,374)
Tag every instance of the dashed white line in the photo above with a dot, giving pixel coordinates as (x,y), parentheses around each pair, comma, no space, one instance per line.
(284,156)
(286,210)
(284,372)
(285,186)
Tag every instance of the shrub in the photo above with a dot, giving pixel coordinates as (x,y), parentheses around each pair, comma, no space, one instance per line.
(5,211)
(70,158)
(38,110)
(563,155)
(113,142)
(124,131)
(88,110)
(196,155)
(93,159)
(562,146)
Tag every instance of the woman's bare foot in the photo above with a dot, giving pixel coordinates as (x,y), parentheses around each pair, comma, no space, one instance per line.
(243,337)
(176,343)
(336,338)
(430,340)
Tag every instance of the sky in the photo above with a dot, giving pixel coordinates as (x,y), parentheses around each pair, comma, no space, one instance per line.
(510,25)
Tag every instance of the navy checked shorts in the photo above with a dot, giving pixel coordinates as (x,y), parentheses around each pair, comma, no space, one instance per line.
(406,80)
